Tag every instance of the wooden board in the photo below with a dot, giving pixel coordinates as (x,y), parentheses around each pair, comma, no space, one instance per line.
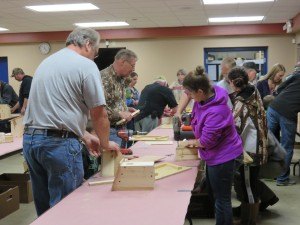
(186,154)
(4,111)
(182,144)
(101,182)
(109,163)
(5,138)
(159,142)
(149,138)
(166,120)
(163,170)
(17,127)
(166,126)
(186,157)
(148,158)
(134,176)
(187,151)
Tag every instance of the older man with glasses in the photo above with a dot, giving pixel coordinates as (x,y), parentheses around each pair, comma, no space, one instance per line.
(113,78)
(66,89)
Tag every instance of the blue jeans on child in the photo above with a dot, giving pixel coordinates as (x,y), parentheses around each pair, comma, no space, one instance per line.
(220,178)
(277,123)
(55,166)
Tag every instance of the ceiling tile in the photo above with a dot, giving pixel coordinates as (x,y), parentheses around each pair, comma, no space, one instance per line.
(138,13)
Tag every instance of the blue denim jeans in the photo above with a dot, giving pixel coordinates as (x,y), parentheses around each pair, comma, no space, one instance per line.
(220,178)
(114,137)
(277,123)
(55,166)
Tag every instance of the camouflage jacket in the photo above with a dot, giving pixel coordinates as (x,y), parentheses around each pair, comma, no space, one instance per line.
(253,107)
(114,90)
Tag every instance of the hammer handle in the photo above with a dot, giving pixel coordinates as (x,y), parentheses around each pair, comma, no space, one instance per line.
(135,113)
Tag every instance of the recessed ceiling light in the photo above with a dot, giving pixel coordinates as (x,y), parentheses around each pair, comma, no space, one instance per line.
(102,24)
(3,29)
(235,19)
(62,7)
(215,2)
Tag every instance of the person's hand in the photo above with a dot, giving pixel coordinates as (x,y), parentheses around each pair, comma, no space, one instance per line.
(23,111)
(131,109)
(92,143)
(194,143)
(167,112)
(126,115)
(113,146)
(135,102)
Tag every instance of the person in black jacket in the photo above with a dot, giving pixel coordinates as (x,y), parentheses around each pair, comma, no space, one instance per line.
(154,98)
(282,117)
(19,75)
(8,95)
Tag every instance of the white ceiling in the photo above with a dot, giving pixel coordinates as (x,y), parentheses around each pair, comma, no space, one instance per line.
(138,13)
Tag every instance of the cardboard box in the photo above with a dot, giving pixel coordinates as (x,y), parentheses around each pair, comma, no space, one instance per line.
(20,180)
(9,200)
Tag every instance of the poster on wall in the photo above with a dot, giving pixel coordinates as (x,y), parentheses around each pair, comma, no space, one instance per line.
(3,69)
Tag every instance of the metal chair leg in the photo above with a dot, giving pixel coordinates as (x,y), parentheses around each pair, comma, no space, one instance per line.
(190,220)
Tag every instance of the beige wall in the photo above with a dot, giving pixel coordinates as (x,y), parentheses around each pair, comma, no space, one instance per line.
(25,56)
(163,56)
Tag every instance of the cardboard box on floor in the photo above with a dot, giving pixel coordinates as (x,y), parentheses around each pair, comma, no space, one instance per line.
(9,200)
(20,180)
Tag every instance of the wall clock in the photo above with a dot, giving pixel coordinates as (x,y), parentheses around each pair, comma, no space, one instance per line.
(44,48)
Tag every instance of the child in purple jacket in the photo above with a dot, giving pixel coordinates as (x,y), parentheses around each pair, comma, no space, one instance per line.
(217,138)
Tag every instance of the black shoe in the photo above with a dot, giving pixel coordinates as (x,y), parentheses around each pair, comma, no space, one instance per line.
(236,211)
(264,205)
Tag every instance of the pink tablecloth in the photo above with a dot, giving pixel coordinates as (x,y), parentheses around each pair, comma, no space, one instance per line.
(94,205)
(10,147)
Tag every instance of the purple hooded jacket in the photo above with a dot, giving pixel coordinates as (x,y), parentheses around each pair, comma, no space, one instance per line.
(214,126)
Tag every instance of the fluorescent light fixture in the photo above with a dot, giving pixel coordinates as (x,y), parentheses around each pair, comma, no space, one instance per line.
(62,7)
(102,24)
(3,29)
(235,19)
(216,2)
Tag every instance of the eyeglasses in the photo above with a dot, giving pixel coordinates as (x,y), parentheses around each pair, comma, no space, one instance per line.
(132,65)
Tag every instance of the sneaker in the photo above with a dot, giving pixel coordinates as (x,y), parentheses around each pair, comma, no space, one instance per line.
(286,183)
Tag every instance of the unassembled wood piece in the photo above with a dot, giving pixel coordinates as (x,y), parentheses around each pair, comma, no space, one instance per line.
(100,182)
(109,163)
(184,144)
(163,170)
(148,158)
(4,111)
(159,142)
(134,176)
(166,126)
(149,138)
(5,138)
(17,127)
(183,153)
(166,120)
